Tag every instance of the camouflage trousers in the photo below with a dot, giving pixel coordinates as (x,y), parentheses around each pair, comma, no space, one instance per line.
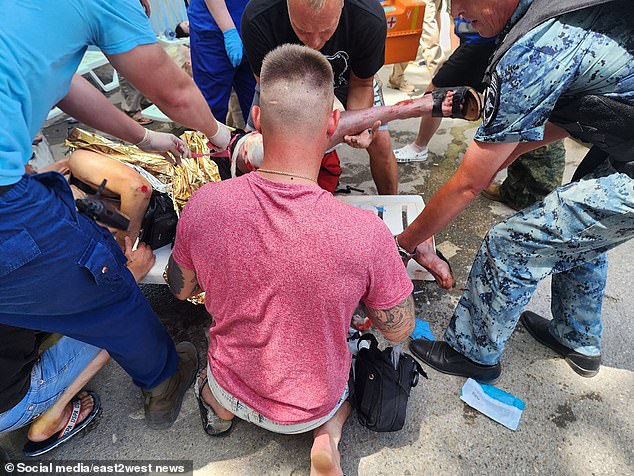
(534,175)
(566,235)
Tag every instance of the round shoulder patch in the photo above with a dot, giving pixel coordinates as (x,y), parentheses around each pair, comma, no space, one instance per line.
(491,100)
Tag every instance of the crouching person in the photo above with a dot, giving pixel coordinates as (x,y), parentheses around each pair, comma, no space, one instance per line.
(284,265)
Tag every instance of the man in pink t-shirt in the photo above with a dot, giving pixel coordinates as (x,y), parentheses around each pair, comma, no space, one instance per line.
(284,265)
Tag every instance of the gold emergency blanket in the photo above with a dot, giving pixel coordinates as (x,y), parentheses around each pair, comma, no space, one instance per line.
(184,179)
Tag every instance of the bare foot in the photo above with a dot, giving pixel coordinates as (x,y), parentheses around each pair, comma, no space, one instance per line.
(47,424)
(439,269)
(325,459)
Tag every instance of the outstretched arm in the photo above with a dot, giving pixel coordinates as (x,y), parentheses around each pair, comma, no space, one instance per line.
(396,323)
(153,73)
(89,106)
(481,163)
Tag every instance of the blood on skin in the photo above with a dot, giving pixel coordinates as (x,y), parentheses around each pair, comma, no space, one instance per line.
(407,102)
(144,189)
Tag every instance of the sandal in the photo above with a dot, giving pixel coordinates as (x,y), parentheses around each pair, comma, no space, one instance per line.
(72,428)
(466,103)
(138,117)
(212,423)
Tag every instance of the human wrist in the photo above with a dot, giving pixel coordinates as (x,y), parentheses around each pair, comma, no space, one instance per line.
(221,138)
(145,141)
(404,251)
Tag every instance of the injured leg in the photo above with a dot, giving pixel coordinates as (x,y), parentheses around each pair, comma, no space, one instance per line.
(133,190)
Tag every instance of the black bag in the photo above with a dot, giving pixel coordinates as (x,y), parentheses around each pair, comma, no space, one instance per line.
(158,227)
(380,392)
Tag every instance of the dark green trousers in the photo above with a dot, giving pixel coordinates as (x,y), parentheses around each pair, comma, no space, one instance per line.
(534,175)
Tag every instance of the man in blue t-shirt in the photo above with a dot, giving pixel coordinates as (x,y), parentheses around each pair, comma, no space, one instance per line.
(572,72)
(59,271)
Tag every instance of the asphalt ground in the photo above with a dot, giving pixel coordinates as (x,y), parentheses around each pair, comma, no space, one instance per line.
(571,425)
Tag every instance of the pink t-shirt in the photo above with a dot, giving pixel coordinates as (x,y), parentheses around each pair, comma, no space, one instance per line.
(283,267)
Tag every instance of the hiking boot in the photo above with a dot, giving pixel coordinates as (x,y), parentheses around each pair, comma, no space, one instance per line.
(163,402)
(493,192)
(441,356)
(538,327)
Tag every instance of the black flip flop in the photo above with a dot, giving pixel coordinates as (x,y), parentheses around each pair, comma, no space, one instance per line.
(212,423)
(72,428)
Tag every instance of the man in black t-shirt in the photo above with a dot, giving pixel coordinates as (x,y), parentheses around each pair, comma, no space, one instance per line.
(352,37)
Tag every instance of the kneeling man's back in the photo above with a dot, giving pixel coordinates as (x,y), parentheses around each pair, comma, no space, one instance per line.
(284,265)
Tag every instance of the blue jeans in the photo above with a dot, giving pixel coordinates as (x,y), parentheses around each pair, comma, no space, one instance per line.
(62,273)
(51,375)
(566,235)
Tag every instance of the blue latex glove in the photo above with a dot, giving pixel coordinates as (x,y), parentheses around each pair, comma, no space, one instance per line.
(233,46)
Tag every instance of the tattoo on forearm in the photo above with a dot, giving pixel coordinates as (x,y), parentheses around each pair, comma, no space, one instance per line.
(175,278)
(396,321)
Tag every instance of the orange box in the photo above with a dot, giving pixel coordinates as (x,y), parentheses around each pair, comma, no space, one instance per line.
(404,26)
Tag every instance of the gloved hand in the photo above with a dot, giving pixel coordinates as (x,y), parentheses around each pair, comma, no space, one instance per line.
(162,143)
(220,140)
(233,46)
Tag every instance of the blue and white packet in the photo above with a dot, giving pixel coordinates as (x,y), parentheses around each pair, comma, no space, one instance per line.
(422,330)
(497,404)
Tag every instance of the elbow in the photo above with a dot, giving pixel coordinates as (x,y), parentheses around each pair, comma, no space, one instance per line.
(177,97)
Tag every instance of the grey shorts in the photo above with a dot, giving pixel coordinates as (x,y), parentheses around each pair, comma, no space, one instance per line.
(243,411)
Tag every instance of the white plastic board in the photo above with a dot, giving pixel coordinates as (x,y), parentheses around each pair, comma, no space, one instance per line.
(397,211)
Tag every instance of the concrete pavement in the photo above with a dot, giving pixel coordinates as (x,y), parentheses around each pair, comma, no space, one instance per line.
(571,425)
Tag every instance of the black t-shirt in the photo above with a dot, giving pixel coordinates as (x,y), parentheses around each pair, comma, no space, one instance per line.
(18,354)
(357,45)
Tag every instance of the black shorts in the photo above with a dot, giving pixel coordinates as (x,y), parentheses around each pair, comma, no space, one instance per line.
(465,67)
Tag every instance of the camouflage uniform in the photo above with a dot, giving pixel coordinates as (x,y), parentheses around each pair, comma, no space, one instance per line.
(567,234)
(534,175)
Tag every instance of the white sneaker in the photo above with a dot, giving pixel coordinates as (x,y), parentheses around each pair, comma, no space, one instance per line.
(410,153)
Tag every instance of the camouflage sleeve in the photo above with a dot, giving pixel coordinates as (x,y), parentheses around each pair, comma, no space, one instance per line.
(528,81)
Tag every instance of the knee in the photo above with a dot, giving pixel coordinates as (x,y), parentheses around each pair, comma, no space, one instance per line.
(139,189)
(381,147)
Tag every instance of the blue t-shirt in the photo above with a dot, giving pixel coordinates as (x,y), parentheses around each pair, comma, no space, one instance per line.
(200,18)
(590,51)
(40,49)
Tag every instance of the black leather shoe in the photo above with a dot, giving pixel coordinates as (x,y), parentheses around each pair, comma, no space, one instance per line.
(537,326)
(440,356)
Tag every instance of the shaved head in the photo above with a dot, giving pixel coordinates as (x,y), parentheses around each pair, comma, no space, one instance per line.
(314,21)
(296,91)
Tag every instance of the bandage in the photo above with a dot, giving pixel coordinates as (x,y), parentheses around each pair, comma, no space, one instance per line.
(222,137)
(250,151)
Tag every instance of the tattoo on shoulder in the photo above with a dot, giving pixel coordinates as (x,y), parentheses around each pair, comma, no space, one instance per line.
(394,320)
(175,278)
